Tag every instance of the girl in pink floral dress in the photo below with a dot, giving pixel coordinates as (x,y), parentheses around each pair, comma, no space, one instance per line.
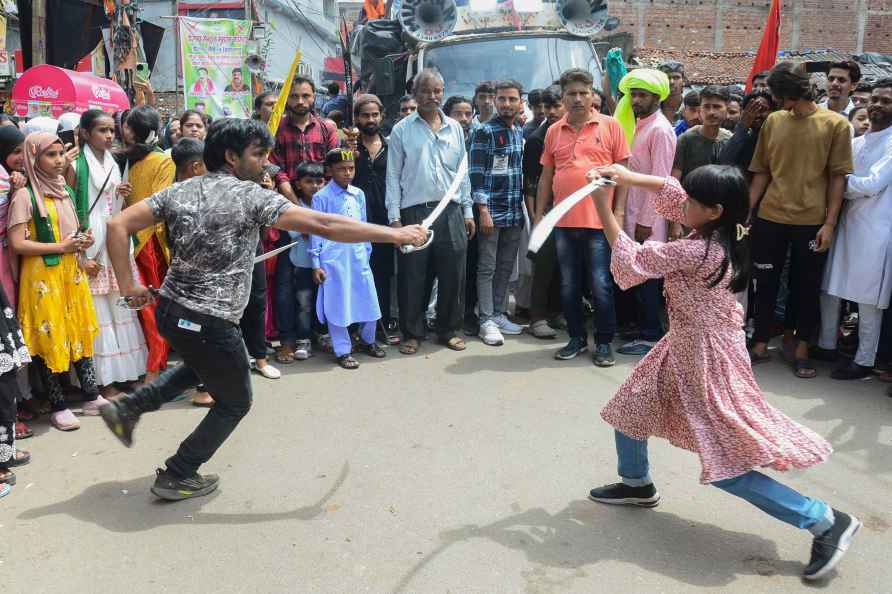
(696,387)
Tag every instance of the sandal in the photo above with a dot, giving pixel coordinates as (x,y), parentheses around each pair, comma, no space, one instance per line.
(803,368)
(24,414)
(756,358)
(22,431)
(5,490)
(21,458)
(373,349)
(455,343)
(285,355)
(7,477)
(348,362)
(410,347)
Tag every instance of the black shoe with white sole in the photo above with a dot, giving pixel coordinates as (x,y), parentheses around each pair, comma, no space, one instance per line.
(828,548)
(173,488)
(623,494)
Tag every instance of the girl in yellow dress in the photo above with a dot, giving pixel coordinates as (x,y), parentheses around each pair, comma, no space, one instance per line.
(55,306)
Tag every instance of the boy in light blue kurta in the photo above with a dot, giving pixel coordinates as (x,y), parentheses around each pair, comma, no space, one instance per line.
(346,286)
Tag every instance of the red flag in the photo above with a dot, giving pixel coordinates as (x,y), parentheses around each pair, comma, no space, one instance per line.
(767,54)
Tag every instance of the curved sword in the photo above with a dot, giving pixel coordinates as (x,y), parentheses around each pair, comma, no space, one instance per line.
(546,225)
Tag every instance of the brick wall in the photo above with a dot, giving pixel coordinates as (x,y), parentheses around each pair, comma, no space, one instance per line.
(737,25)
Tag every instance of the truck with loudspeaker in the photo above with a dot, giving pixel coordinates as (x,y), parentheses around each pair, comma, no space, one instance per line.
(470,41)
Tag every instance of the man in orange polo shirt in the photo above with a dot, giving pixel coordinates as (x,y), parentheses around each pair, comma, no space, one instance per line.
(576,143)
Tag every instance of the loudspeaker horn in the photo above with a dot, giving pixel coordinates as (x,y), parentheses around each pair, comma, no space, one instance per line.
(582,17)
(428,20)
(255,63)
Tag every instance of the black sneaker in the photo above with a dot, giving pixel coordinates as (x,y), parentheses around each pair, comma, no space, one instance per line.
(573,348)
(826,355)
(170,487)
(623,494)
(852,371)
(120,418)
(828,548)
(603,356)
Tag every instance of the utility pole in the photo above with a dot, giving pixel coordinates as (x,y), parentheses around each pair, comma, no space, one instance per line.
(38,32)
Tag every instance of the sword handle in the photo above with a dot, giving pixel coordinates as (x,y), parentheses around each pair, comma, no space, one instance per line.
(409,248)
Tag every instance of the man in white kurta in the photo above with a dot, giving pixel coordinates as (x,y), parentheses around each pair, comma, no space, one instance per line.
(859,267)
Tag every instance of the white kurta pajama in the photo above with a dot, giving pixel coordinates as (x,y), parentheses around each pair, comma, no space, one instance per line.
(859,267)
(120,349)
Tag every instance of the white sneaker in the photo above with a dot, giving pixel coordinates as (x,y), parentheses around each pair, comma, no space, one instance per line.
(507,326)
(489,334)
(268,371)
(541,329)
(303,351)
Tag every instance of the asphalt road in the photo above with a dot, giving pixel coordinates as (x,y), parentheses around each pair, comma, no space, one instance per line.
(440,473)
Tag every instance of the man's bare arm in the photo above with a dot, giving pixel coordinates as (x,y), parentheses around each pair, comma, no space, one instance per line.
(758,185)
(345,229)
(120,228)
(544,193)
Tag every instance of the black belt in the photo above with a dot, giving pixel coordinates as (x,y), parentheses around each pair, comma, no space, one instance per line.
(430,205)
(168,307)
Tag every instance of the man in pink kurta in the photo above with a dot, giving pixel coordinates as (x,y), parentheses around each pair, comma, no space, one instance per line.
(653,151)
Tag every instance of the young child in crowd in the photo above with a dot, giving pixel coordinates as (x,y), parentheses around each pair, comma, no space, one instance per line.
(295,289)
(346,287)
(696,387)
(188,157)
(55,305)
(120,351)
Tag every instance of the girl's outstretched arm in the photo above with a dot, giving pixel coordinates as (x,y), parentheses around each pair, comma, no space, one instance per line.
(623,177)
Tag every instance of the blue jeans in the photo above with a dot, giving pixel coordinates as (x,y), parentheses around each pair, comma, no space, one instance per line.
(295,301)
(586,250)
(772,497)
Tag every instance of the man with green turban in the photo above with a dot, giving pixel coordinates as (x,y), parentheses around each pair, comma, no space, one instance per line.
(653,81)
(653,150)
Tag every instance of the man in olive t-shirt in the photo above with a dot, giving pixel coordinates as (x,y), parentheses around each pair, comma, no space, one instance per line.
(800,165)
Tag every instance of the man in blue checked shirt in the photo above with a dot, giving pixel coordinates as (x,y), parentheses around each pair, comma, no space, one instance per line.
(496,172)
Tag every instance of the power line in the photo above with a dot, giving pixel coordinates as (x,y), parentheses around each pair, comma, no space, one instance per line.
(311,26)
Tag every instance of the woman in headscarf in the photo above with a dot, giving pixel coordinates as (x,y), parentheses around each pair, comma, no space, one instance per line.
(120,349)
(148,170)
(55,306)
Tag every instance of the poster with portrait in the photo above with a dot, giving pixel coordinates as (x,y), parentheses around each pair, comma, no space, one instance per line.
(215,78)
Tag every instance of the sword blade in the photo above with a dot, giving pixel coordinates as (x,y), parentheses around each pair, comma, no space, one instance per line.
(276,251)
(449,195)
(546,225)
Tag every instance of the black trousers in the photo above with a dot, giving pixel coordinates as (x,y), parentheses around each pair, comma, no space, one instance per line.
(471,274)
(253,321)
(545,297)
(769,244)
(9,393)
(214,355)
(382,263)
(52,382)
(445,260)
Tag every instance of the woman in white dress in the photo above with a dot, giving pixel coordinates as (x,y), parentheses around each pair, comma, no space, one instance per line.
(120,348)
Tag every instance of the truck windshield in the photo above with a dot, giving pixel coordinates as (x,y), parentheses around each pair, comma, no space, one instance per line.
(533,61)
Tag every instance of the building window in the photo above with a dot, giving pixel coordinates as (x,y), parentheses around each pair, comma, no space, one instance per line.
(329,9)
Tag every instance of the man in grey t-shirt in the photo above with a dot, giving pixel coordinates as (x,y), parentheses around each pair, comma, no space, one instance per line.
(213,226)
